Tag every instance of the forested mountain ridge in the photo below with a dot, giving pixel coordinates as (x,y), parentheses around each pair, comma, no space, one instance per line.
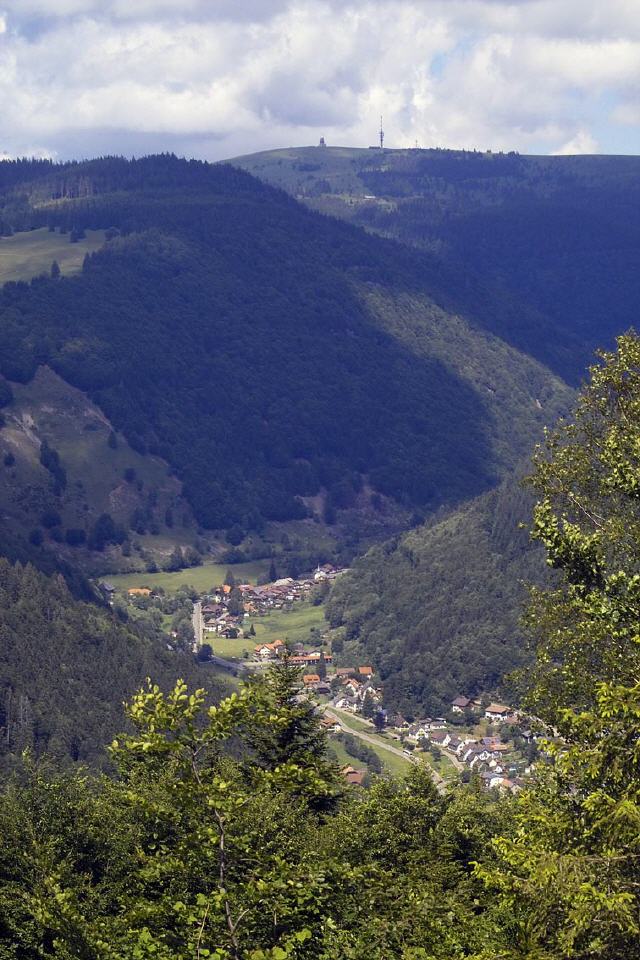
(438,609)
(66,667)
(231,331)
(548,246)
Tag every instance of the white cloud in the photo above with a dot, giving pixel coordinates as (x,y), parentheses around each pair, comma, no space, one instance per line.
(582,142)
(218,77)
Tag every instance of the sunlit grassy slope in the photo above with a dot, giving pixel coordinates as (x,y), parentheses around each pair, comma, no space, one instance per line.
(293,625)
(200,578)
(47,408)
(26,255)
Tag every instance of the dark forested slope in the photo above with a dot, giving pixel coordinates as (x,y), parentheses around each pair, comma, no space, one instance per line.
(66,667)
(438,609)
(548,247)
(232,332)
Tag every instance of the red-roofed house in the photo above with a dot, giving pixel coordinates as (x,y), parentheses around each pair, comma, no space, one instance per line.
(353,777)
(268,651)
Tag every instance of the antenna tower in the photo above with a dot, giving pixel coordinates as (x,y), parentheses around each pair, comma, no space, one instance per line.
(381,135)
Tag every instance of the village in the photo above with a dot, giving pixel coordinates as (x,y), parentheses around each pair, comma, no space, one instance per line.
(229,610)
(490,742)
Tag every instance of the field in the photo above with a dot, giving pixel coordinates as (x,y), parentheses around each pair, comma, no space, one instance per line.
(200,578)
(26,255)
(348,721)
(442,765)
(293,625)
(393,765)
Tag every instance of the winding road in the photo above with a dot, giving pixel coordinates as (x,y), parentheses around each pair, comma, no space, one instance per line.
(338,715)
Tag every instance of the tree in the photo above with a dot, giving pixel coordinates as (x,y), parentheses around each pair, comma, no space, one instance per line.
(104,531)
(295,735)
(75,536)
(55,270)
(176,560)
(191,557)
(235,535)
(322,666)
(568,875)
(205,652)
(235,605)
(50,460)
(320,593)
(36,537)
(368,705)
(273,572)
(379,720)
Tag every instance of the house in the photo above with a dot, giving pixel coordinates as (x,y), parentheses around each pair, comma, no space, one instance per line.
(139,591)
(330,724)
(268,651)
(107,587)
(309,679)
(491,779)
(468,751)
(310,659)
(497,712)
(490,742)
(365,671)
(398,721)
(418,730)
(460,704)
(350,704)
(440,737)
(354,778)
(345,671)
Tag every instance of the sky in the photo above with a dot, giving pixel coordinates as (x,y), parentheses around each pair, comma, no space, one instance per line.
(219,78)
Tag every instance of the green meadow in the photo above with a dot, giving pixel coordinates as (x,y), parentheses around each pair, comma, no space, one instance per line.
(200,578)
(27,255)
(290,625)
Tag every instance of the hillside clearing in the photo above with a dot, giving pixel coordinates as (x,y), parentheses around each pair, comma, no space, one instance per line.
(29,254)
(200,578)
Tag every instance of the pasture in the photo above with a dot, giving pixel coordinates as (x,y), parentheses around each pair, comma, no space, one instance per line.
(29,254)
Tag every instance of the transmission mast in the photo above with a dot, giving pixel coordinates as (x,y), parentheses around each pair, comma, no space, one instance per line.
(381,135)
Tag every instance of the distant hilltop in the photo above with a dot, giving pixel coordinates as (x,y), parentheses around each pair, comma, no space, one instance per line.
(314,170)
